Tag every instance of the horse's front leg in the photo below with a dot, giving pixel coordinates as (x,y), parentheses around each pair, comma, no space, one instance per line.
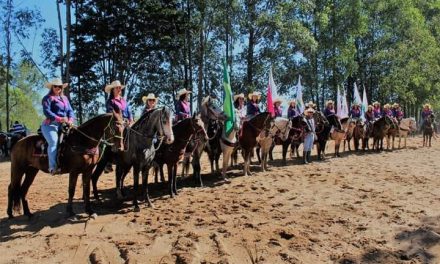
(86,193)
(170,179)
(174,170)
(146,196)
(227,152)
(135,187)
(73,177)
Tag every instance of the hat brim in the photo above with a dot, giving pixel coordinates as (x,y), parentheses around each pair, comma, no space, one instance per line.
(178,95)
(146,98)
(109,87)
(252,95)
(49,85)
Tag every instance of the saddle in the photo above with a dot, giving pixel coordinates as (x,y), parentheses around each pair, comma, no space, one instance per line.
(41,144)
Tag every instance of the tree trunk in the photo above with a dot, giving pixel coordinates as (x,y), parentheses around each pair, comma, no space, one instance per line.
(251,45)
(188,7)
(201,55)
(60,27)
(68,24)
(8,59)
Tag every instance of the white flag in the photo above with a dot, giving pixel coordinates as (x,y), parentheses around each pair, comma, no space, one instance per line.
(299,96)
(364,105)
(342,107)
(356,96)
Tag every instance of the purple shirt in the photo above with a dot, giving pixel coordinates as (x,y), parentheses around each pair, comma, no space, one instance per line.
(398,114)
(388,113)
(57,107)
(291,112)
(278,111)
(329,112)
(426,113)
(377,112)
(252,109)
(369,116)
(119,104)
(183,110)
(355,113)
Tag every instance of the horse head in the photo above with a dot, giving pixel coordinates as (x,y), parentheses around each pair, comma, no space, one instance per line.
(166,128)
(198,126)
(209,110)
(320,118)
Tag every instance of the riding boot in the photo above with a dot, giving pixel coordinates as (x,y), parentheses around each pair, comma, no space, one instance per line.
(305,157)
(309,153)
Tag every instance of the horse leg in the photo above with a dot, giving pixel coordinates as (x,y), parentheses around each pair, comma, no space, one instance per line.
(196,171)
(170,179)
(119,174)
(28,180)
(136,170)
(271,150)
(174,170)
(258,149)
(73,177)
(284,151)
(98,171)
(14,189)
(227,151)
(146,196)
(86,192)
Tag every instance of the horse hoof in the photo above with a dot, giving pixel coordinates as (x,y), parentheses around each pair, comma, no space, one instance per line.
(93,216)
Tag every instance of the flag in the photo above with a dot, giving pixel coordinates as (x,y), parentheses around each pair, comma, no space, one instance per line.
(364,105)
(341,107)
(299,96)
(271,94)
(356,96)
(228,103)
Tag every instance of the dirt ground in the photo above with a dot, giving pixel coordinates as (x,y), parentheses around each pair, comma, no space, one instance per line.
(361,208)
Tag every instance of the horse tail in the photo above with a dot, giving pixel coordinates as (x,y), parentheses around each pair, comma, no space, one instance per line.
(14,188)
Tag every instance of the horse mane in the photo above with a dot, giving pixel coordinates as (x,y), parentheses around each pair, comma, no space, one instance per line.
(144,117)
(92,120)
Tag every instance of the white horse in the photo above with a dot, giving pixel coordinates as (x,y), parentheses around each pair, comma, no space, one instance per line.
(281,127)
(228,143)
(407,125)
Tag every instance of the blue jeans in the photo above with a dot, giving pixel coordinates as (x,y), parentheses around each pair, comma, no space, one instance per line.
(50,133)
(308,141)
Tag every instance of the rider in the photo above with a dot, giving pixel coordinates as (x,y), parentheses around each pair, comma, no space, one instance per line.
(329,108)
(376,110)
(310,104)
(277,107)
(426,112)
(150,102)
(355,112)
(57,109)
(252,106)
(309,135)
(183,109)
(240,107)
(397,112)
(369,115)
(387,111)
(292,111)
(18,129)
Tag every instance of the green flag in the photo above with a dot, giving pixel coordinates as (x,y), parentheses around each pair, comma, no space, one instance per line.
(228,104)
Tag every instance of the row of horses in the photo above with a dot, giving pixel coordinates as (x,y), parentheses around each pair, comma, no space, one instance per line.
(153,142)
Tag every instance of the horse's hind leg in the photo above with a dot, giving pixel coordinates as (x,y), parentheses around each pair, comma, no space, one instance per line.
(135,187)
(14,189)
(170,179)
(146,195)
(28,180)
(98,171)
(174,170)
(86,192)
(73,177)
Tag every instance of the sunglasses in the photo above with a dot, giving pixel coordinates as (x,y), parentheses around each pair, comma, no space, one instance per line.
(58,86)
(151,100)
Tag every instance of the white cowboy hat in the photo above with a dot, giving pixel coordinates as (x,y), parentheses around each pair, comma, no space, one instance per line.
(56,82)
(311,104)
(114,84)
(150,96)
(257,94)
(427,105)
(292,101)
(386,106)
(276,100)
(239,96)
(329,102)
(354,104)
(370,106)
(396,105)
(376,103)
(309,110)
(182,92)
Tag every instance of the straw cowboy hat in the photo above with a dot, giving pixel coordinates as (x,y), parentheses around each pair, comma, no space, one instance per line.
(370,107)
(354,104)
(114,84)
(239,96)
(329,102)
(427,106)
(257,94)
(182,92)
(376,103)
(396,105)
(311,104)
(277,100)
(56,82)
(386,106)
(309,110)
(292,101)
(150,96)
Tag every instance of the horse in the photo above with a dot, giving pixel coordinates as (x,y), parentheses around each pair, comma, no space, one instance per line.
(184,131)
(322,132)
(153,125)
(368,129)
(380,130)
(4,139)
(295,138)
(248,136)
(407,126)
(336,132)
(348,125)
(282,128)
(392,133)
(79,154)
(358,134)
(229,145)
(280,131)
(428,130)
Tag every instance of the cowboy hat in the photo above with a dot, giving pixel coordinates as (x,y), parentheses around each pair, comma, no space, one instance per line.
(114,84)
(376,103)
(277,100)
(311,104)
(329,102)
(396,105)
(354,104)
(150,96)
(386,106)
(309,110)
(370,106)
(239,96)
(182,92)
(257,94)
(292,101)
(427,105)
(57,82)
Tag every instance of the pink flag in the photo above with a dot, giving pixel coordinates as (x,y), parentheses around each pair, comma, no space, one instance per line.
(270,108)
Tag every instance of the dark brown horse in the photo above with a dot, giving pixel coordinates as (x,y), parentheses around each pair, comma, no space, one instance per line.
(184,131)
(428,130)
(295,138)
(248,136)
(380,130)
(358,134)
(79,154)
(4,144)
(323,128)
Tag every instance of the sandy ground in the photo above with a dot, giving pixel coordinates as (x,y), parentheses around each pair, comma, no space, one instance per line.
(361,208)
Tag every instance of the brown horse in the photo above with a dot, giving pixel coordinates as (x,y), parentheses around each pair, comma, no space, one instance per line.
(4,144)
(295,137)
(358,134)
(392,133)
(380,130)
(336,133)
(79,154)
(428,131)
(248,136)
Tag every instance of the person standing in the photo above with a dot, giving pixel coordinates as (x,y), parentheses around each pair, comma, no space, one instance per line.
(57,109)
(309,134)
